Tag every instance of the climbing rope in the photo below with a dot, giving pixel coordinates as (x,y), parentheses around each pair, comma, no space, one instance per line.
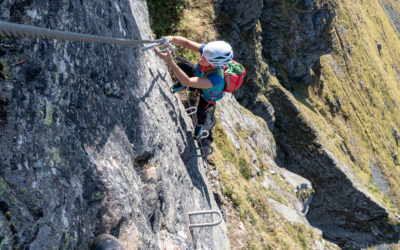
(22,30)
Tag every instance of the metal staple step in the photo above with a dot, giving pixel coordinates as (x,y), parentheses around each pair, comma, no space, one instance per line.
(210,224)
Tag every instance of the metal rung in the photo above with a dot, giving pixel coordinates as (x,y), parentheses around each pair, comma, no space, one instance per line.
(206,134)
(191,110)
(206,224)
(205,154)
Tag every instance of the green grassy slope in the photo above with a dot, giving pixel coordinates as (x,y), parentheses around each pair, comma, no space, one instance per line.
(356,103)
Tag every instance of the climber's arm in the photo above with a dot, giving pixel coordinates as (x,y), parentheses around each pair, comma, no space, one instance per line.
(183,78)
(179,40)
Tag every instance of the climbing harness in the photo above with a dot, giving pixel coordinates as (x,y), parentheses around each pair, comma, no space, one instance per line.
(210,103)
(22,30)
(211,224)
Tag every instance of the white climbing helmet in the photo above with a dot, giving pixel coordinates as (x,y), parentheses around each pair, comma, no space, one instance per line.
(218,53)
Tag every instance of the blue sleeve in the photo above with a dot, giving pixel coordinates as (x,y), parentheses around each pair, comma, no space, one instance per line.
(201,48)
(215,80)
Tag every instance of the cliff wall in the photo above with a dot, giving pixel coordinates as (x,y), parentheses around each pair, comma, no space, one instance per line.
(92,141)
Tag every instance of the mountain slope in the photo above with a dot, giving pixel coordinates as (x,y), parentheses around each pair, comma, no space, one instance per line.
(92,140)
(340,138)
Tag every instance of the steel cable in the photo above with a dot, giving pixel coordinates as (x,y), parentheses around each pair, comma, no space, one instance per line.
(22,30)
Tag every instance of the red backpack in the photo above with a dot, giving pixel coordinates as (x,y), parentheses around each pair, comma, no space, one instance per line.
(234,73)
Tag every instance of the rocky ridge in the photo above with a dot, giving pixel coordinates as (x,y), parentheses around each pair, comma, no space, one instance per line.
(290,37)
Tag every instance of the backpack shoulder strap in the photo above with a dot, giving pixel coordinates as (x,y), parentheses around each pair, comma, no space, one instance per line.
(216,71)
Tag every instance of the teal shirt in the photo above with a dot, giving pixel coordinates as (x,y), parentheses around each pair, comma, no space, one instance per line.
(216,77)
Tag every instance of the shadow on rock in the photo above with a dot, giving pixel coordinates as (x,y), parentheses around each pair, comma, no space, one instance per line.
(190,157)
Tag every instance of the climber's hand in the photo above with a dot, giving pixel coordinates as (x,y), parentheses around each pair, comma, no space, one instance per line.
(170,39)
(167,57)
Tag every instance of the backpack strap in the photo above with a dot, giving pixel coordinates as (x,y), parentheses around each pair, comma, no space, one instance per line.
(217,71)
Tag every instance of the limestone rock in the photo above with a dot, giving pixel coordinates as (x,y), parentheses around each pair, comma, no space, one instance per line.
(295,35)
(92,141)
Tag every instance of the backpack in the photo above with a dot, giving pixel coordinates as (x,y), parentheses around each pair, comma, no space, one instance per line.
(234,73)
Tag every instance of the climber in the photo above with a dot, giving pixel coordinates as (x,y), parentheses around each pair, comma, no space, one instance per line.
(207,75)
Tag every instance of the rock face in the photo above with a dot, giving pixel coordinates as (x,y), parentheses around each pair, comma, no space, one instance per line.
(92,141)
(297,34)
(392,12)
(238,19)
(292,36)
(238,23)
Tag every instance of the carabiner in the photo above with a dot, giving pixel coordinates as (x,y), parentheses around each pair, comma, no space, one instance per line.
(164,44)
